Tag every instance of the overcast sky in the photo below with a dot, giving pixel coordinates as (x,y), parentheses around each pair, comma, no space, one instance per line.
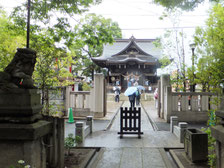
(140,18)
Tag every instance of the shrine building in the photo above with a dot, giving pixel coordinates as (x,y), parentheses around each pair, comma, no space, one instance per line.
(131,60)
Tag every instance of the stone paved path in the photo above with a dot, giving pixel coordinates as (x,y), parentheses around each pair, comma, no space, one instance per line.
(145,124)
(132,158)
(131,152)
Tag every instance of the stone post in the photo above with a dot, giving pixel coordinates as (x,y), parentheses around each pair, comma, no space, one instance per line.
(159,99)
(183,126)
(76,87)
(173,122)
(89,122)
(167,103)
(67,99)
(79,130)
(165,81)
(98,95)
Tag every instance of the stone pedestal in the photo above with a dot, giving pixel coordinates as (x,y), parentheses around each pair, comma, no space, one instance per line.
(23,142)
(20,106)
(218,134)
(21,130)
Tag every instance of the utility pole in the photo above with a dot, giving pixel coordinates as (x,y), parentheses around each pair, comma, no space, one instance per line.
(28,26)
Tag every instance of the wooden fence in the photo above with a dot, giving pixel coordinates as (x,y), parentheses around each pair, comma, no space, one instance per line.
(130,121)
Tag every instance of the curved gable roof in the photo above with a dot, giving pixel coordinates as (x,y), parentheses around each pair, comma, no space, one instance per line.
(145,47)
(131,44)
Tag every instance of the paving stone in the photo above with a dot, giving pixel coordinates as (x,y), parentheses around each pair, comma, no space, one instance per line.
(131,158)
(111,158)
(152,158)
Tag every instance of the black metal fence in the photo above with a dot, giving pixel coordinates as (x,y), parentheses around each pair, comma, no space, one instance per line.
(130,121)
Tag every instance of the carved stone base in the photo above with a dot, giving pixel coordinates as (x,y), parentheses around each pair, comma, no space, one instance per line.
(23,142)
(20,105)
(18,119)
(218,134)
(23,102)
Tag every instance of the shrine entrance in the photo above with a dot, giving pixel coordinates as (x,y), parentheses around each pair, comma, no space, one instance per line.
(130,60)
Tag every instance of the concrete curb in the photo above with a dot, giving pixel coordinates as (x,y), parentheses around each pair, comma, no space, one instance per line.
(95,159)
(165,158)
(177,160)
(154,126)
(113,118)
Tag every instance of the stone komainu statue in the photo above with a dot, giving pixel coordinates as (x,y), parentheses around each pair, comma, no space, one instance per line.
(18,74)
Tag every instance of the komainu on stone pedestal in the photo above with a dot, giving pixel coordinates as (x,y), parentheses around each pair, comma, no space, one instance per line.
(18,74)
(22,128)
(19,100)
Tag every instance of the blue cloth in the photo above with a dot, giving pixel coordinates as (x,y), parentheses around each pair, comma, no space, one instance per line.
(129,83)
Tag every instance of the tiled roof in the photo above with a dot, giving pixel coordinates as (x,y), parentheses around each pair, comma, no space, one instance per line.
(110,51)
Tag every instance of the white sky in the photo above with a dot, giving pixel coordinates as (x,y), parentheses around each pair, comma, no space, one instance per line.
(140,18)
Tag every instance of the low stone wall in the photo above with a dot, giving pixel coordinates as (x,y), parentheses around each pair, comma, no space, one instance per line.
(191,107)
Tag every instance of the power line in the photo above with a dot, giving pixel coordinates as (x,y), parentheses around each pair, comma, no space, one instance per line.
(190,27)
(111,14)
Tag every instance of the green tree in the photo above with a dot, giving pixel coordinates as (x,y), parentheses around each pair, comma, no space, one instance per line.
(52,66)
(61,12)
(203,73)
(58,42)
(94,32)
(9,40)
(85,40)
(211,46)
(186,5)
(51,39)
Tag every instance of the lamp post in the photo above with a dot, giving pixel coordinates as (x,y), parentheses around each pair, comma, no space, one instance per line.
(192,87)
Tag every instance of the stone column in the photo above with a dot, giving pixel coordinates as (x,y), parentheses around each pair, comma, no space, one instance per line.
(173,122)
(79,130)
(167,103)
(68,103)
(89,122)
(183,126)
(98,95)
(165,81)
(76,87)
(159,99)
